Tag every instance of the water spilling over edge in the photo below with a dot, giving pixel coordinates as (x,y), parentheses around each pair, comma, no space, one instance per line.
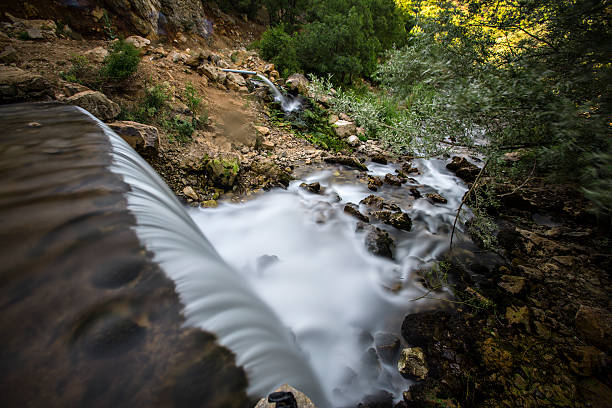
(216,298)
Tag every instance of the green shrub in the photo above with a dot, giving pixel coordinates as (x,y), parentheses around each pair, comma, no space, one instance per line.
(24,36)
(192,98)
(79,70)
(277,46)
(121,63)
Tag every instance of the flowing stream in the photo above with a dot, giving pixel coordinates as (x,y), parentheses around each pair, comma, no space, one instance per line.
(301,254)
(284,280)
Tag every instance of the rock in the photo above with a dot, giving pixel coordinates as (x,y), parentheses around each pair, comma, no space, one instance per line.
(235,81)
(177,57)
(267,145)
(518,315)
(268,68)
(297,83)
(346,161)
(399,219)
(408,169)
(512,284)
(412,363)
(138,41)
(9,55)
(69,88)
(378,242)
(353,209)
(415,192)
(596,393)
(209,204)
(190,192)
(463,169)
(301,399)
(34,34)
(387,346)
(96,103)
(374,182)
(588,360)
(436,198)
(143,138)
(394,180)
(314,188)
(379,158)
(208,71)
(17,85)
(378,203)
(264,131)
(97,54)
(353,141)
(333,118)
(344,128)
(222,172)
(595,326)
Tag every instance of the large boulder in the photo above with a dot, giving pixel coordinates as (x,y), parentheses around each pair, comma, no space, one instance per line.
(377,241)
(209,71)
(138,41)
(235,82)
(463,169)
(297,83)
(595,326)
(221,171)
(344,128)
(96,103)
(143,138)
(17,85)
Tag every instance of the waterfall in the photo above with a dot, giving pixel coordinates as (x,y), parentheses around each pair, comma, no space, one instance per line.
(216,298)
(288,103)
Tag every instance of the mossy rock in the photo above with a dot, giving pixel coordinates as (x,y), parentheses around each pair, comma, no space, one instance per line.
(222,171)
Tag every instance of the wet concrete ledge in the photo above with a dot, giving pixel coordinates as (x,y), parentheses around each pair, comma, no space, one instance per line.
(87,318)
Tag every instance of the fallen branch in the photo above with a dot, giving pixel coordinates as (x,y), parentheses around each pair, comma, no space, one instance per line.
(524,182)
(465,197)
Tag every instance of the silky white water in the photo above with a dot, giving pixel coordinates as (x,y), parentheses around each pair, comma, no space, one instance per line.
(286,283)
(302,256)
(288,103)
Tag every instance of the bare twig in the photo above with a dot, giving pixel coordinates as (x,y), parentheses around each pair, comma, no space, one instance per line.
(524,182)
(465,197)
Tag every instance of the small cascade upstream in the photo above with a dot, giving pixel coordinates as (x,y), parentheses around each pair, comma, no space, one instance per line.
(288,103)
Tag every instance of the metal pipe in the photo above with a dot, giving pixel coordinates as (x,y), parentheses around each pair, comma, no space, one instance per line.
(238,71)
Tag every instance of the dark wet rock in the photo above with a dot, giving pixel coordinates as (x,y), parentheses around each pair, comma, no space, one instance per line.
(398,219)
(463,169)
(314,188)
(378,203)
(415,192)
(377,399)
(394,180)
(420,329)
(379,158)
(408,169)
(346,161)
(387,346)
(377,241)
(436,198)
(412,363)
(374,182)
(353,209)
(143,138)
(17,85)
(95,103)
(595,326)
